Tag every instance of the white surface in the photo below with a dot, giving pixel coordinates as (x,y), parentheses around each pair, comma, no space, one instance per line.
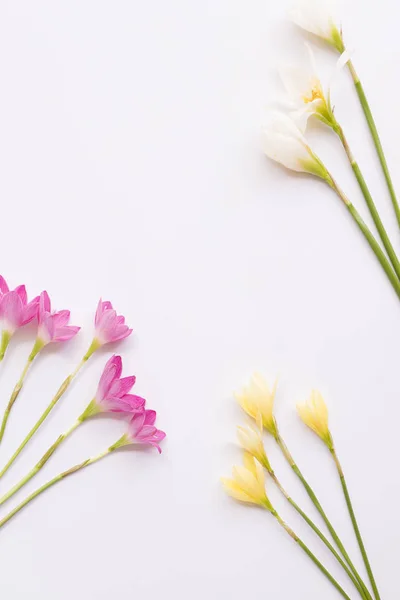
(131,168)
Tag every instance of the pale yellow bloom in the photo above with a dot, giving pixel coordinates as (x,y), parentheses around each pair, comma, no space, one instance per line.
(251,440)
(248,483)
(314,413)
(257,398)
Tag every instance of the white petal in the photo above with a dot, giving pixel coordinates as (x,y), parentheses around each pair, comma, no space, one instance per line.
(341,63)
(316,16)
(297,82)
(284,143)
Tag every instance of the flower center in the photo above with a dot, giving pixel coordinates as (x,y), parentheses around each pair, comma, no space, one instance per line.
(316,94)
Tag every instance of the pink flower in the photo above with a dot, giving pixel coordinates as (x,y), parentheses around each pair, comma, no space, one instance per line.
(15,310)
(53,327)
(112,392)
(109,327)
(141,430)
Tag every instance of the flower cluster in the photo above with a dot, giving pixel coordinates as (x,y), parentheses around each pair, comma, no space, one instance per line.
(113,395)
(285,141)
(247,484)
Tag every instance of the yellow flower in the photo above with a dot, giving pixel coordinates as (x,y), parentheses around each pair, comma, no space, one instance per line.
(314,414)
(258,398)
(248,483)
(251,440)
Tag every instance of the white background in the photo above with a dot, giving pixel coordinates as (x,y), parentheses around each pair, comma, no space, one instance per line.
(132,168)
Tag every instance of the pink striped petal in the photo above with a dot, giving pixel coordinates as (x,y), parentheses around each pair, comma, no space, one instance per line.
(44,305)
(63,334)
(21,291)
(11,311)
(120,387)
(30,311)
(112,366)
(3,286)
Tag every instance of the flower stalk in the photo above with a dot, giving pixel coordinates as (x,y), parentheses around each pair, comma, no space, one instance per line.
(374,245)
(61,391)
(282,445)
(319,533)
(368,199)
(375,136)
(17,389)
(52,482)
(355,524)
(312,556)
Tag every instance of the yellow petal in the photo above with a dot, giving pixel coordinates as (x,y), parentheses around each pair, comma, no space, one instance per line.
(233,489)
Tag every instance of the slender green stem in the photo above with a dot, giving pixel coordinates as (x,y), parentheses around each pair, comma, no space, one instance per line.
(40,464)
(310,554)
(355,524)
(380,255)
(375,136)
(18,387)
(63,388)
(50,483)
(370,202)
(321,511)
(319,533)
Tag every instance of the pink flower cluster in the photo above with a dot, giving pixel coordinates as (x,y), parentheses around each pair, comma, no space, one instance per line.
(16,311)
(113,396)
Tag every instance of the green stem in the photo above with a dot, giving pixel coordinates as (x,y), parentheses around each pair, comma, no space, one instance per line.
(310,554)
(50,483)
(380,255)
(319,533)
(355,524)
(63,388)
(375,136)
(321,511)
(18,387)
(40,464)
(370,202)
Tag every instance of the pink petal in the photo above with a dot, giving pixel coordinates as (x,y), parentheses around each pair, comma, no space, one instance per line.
(133,402)
(11,310)
(120,387)
(63,334)
(127,404)
(146,433)
(101,308)
(107,377)
(121,332)
(61,318)
(30,311)
(150,417)
(21,291)
(44,304)
(46,328)
(3,286)
(136,424)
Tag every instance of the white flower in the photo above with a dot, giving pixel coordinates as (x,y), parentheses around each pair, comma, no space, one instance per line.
(306,94)
(284,143)
(317,17)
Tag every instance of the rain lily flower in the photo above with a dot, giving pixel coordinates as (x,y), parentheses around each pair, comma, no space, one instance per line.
(109,327)
(257,400)
(317,17)
(251,440)
(306,94)
(314,414)
(113,392)
(285,144)
(53,326)
(142,431)
(248,483)
(15,312)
